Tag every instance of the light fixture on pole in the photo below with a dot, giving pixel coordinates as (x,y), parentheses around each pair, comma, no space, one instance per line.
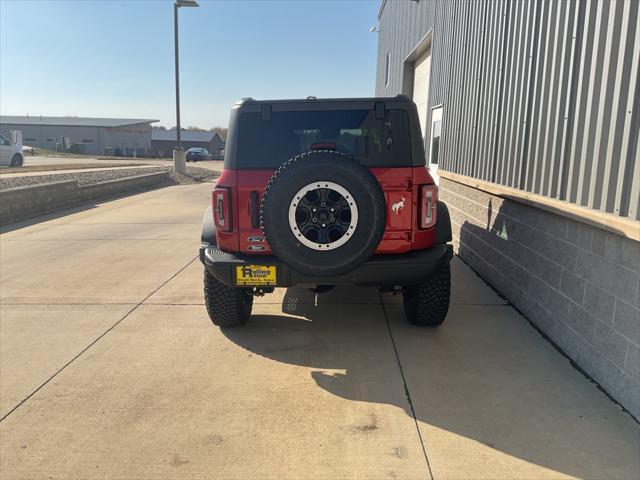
(178,152)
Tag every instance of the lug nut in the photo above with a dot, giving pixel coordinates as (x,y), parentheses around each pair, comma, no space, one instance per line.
(314,220)
(331,219)
(323,204)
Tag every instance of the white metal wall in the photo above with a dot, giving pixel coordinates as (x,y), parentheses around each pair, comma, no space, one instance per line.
(541,96)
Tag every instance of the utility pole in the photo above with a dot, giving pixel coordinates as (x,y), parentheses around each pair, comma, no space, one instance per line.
(178,153)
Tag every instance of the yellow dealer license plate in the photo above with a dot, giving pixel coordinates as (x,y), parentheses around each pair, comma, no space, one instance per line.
(256,275)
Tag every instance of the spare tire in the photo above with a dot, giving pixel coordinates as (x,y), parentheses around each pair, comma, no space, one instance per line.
(323,213)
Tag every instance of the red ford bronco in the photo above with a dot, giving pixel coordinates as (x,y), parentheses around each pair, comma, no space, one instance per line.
(325,192)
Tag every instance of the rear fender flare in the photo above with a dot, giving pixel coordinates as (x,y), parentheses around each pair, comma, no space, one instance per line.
(208,235)
(443,224)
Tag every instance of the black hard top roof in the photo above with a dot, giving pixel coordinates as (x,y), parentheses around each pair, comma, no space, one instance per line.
(249,105)
(312,100)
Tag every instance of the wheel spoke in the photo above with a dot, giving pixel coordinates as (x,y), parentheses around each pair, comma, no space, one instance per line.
(303,202)
(323,236)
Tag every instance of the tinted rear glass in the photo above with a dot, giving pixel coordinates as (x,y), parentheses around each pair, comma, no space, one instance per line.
(373,142)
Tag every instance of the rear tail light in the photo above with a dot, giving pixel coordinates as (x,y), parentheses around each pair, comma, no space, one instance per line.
(428,205)
(323,146)
(222,209)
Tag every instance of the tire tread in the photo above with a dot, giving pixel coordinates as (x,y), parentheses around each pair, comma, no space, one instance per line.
(17,160)
(427,304)
(226,306)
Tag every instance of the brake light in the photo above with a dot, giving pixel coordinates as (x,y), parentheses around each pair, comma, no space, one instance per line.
(428,205)
(222,209)
(323,146)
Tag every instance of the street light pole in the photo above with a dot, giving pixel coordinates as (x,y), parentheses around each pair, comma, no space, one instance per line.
(178,152)
(177,61)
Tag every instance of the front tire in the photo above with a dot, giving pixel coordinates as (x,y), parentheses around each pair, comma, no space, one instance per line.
(226,306)
(427,304)
(16,161)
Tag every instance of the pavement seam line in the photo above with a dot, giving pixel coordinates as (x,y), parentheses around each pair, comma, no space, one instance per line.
(96,340)
(406,387)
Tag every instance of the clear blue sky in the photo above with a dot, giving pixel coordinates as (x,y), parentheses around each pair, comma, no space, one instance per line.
(115,58)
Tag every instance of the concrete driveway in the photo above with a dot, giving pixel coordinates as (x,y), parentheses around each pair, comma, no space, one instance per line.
(110,368)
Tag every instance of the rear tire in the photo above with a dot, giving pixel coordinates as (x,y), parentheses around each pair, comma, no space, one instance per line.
(16,161)
(427,304)
(226,306)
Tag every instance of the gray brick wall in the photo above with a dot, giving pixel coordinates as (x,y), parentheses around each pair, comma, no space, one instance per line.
(579,284)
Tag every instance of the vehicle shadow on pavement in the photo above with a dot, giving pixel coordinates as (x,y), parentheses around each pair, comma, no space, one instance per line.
(485,375)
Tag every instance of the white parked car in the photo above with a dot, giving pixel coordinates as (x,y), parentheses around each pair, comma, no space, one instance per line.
(10,155)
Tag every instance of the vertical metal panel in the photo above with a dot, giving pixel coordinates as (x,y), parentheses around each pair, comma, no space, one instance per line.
(515,92)
(482,124)
(619,142)
(506,97)
(542,96)
(604,106)
(447,19)
(570,105)
(521,84)
(634,200)
(575,172)
(471,83)
(534,158)
(528,89)
(627,198)
(453,113)
(557,124)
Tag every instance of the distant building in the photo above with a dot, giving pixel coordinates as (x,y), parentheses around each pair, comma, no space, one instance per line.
(163,142)
(92,136)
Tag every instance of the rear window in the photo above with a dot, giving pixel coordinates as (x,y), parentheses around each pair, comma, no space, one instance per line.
(375,142)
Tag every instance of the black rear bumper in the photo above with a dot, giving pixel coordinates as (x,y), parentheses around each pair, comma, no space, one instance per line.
(380,270)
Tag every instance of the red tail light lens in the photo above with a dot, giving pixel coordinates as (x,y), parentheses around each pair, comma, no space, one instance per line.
(222,209)
(323,146)
(428,205)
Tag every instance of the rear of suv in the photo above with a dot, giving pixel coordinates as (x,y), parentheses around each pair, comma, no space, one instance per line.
(323,193)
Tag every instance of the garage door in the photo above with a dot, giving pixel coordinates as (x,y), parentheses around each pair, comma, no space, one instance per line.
(421,73)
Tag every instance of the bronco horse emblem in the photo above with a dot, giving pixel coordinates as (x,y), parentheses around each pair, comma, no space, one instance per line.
(396,207)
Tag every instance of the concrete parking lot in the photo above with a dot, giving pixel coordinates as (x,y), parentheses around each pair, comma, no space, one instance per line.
(110,368)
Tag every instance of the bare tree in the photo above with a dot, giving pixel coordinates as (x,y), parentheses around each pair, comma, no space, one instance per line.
(222,131)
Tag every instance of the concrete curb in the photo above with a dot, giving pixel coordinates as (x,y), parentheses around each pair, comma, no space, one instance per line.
(22,203)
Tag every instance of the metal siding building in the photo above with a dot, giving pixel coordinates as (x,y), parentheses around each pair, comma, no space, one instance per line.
(163,142)
(93,136)
(537,105)
(540,96)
